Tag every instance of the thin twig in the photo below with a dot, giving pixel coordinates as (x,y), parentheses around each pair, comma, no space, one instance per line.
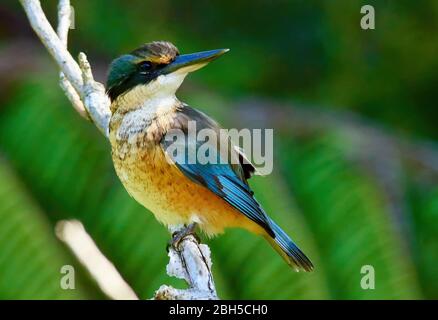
(53,44)
(92,94)
(64,22)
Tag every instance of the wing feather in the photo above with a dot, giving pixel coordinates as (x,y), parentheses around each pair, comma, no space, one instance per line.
(227,180)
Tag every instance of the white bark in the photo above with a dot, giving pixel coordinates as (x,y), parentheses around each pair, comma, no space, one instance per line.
(64,23)
(79,81)
(190,260)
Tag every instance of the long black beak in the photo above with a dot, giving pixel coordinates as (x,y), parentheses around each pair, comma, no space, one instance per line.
(193,61)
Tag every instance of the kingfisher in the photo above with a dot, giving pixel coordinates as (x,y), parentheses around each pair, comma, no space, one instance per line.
(210,196)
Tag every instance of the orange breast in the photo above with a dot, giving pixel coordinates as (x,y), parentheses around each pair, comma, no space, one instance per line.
(174,199)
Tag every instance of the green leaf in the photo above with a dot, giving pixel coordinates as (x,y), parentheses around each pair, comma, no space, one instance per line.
(31,257)
(349,217)
(424,198)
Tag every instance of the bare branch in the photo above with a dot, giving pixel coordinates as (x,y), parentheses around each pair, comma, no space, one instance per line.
(64,23)
(191,262)
(72,96)
(87,74)
(92,94)
(94,97)
(74,235)
(53,44)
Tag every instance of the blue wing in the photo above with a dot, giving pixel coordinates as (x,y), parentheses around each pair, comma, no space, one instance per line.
(227,180)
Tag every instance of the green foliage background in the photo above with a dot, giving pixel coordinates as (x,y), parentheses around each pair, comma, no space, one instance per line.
(355,129)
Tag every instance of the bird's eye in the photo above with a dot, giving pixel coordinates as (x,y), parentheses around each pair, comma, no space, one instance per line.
(145,66)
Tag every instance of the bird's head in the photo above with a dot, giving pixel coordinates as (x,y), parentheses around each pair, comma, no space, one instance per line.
(156,67)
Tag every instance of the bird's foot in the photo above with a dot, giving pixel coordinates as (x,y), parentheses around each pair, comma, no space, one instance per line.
(179,235)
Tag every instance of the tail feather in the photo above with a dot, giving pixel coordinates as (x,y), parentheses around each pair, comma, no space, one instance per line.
(288,249)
